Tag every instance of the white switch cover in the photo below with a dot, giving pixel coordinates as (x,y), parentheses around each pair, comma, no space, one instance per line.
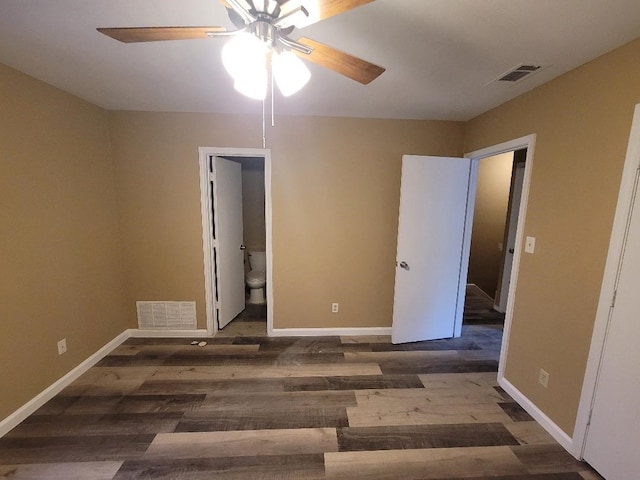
(62,346)
(530,244)
(543,378)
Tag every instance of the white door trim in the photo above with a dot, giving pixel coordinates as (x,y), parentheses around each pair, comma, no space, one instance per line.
(206,213)
(616,244)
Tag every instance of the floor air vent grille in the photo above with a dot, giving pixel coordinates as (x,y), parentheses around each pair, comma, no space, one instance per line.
(166,315)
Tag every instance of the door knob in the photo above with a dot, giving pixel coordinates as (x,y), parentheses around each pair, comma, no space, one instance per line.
(511,250)
(404,265)
(242,247)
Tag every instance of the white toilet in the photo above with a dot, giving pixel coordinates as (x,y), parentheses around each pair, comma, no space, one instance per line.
(256,278)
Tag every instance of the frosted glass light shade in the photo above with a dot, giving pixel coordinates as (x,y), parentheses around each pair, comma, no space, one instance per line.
(243,54)
(252,86)
(245,57)
(290,73)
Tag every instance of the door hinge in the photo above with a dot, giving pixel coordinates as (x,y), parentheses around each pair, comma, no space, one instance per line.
(211,177)
(589,419)
(613,300)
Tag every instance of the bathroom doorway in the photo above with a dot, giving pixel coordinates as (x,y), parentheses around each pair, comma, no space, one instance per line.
(252,321)
(224,261)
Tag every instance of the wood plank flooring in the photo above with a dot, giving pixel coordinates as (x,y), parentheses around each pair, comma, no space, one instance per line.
(247,407)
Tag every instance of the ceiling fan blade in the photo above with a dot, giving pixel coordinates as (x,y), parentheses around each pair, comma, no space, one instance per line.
(319,9)
(156,34)
(353,67)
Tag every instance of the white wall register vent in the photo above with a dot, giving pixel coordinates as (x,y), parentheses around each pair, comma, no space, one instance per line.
(166,315)
(518,73)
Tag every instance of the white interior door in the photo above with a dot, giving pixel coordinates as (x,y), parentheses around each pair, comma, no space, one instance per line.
(433,244)
(512,226)
(228,238)
(612,438)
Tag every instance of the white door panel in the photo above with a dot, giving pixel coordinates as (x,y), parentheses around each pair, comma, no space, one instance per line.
(229,257)
(612,438)
(434,202)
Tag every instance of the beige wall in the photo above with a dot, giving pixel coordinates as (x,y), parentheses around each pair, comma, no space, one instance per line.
(60,256)
(335,191)
(582,122)
(253,219)
(489,219)
(335,195)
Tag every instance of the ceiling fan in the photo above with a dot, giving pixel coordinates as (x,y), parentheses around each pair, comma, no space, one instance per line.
(268,23)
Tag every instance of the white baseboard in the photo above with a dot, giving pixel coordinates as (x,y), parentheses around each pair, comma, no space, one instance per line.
(329,332)
(554,430)
(480,291)
(143,333)
(52,390)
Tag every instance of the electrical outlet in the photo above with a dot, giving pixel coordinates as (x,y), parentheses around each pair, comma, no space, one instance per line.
(543,378)
(62,346)
(335,307)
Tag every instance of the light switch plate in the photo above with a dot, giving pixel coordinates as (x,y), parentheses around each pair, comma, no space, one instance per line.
(530,244)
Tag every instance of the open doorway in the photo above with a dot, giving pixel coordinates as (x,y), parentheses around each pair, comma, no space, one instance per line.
(495,220)
(236,224)
(496,213)
(438,195)
(252,320)
(524,147)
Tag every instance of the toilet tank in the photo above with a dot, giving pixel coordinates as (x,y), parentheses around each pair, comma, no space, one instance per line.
(258,261)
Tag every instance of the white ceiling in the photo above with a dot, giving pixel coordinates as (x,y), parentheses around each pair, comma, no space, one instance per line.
(440,55)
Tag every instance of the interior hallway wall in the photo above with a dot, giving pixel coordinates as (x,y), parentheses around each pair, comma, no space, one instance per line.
(335,190)
(582,121)
(60,259)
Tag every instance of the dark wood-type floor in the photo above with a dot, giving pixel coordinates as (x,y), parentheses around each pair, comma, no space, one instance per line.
(249,407)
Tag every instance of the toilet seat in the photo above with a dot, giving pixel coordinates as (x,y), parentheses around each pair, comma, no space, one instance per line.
(256,279)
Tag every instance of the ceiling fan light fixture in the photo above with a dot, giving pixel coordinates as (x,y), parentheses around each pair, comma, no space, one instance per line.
(290,73)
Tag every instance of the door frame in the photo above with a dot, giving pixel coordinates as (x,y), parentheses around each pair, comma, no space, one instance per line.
(527,142)
(609,281)
(207,223)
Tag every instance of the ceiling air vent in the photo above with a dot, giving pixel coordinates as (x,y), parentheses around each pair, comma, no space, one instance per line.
(518,73)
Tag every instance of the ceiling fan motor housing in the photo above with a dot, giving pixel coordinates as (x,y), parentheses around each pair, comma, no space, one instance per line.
(265,31)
